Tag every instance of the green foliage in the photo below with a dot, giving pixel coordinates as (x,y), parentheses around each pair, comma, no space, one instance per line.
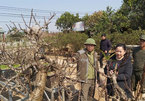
(61,40)
(85,19)
(107,57)
(92,20)
(134,10)
(130,16)
(126,38)
(116,37)
(120,21)
(4,67)
(106,21)
(66,21)
(16,37)
(76,40)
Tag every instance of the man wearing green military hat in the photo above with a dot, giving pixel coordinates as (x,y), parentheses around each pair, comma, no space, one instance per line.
(87,66)
(139,65)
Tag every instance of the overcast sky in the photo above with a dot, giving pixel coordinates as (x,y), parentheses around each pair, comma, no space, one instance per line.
(57,6)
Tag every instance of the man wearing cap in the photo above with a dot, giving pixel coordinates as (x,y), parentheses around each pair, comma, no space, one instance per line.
(105,46)
(87,66)
(139,63)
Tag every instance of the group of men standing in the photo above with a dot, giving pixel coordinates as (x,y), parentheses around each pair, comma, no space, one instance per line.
(87,65)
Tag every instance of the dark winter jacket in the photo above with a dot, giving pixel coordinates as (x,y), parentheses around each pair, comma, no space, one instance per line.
(105,45)
(124,73)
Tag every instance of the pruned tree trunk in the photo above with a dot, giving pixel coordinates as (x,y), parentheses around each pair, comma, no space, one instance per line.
(37,94)
(116,86)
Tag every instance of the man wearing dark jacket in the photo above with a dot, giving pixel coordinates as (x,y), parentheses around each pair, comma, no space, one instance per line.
(105,46)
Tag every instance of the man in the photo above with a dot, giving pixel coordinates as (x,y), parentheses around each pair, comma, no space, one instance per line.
(138,65)
(87,66)
(105,46)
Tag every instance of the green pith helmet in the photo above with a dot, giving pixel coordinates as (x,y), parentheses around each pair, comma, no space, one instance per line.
(142,37)
(90,41)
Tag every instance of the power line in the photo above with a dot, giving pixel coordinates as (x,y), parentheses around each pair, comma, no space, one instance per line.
(7,8)
(37,12)
(4,21)
(28,16)
(24,15)
(15,13)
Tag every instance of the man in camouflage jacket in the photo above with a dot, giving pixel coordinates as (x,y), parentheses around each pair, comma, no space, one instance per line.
(87,67)
(139,63)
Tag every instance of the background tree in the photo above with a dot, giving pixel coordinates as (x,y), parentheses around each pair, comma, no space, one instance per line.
(134,10)
(121,23)
(85,19)
(92,20)
(105,23)
(66,21)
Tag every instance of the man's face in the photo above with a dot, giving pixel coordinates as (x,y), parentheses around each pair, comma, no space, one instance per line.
(103,37)
(142,43)
(90,47)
